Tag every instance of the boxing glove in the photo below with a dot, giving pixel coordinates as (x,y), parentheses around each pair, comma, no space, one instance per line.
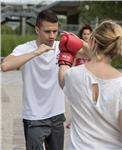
(69,46)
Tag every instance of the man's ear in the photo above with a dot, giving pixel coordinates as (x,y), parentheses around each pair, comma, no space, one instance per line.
(37,30)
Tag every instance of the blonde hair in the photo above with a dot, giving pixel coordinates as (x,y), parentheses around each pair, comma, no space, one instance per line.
(108,36)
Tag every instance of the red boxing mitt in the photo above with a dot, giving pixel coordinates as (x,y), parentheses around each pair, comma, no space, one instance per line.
(69,46)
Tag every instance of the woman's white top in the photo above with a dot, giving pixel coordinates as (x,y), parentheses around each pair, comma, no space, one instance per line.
(94,126)
(42,96)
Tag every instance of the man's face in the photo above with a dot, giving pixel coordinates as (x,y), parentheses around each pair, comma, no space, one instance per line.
(47,32)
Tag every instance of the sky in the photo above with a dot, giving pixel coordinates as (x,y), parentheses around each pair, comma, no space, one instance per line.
(27,1)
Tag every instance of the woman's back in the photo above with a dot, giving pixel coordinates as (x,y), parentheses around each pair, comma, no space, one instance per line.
(94,121)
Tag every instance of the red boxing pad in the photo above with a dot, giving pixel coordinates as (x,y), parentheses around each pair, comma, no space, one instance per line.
(63,42)
(74,44)
(69,46)
(65,59)
(71,43)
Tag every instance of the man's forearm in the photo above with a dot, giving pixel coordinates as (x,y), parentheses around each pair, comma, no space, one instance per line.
(13,62)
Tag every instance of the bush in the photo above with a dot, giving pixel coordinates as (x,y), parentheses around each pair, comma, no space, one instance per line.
(5,29)
(29,30)
(117,62)
(10,41)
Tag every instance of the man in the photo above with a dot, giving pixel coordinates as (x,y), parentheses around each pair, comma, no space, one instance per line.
(43,100)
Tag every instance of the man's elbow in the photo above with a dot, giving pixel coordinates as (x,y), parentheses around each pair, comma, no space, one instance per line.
(5,67)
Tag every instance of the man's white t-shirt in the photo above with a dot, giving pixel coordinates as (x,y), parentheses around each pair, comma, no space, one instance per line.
(94,126)
(42,96)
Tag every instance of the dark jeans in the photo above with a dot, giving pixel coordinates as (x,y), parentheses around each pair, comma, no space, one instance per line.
(48,131)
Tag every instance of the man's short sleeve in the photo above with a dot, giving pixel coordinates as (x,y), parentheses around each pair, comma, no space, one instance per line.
(19,50)
(24,48)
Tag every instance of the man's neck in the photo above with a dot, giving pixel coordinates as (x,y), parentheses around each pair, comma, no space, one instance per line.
(38,43)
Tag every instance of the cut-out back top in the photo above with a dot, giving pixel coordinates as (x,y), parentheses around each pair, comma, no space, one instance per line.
(94,125)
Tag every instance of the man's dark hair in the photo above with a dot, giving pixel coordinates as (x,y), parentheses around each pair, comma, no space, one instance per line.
(85,27)
(46,15)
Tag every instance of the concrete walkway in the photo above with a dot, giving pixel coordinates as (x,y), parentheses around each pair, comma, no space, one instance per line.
(11,127)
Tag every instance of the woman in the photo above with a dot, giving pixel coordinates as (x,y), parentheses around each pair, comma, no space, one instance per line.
(95,93)
(84,34)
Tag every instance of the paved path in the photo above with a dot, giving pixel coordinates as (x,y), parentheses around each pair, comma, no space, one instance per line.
(12,128)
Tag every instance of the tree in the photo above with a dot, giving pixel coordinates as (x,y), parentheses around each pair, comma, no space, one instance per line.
(101,10)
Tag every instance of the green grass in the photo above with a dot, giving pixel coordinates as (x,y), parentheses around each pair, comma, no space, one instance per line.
(9,42)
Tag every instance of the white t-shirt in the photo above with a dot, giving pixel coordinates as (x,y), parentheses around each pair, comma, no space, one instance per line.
(42,96)
(94,126)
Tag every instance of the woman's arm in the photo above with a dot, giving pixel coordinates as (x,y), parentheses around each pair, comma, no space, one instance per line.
(62,70)
(69,46)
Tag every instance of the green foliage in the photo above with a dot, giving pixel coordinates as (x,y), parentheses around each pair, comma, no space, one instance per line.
(10,41)
(29,30)
(90,10)
(17,30)
(101,10)
(117,62)
(5,29)
(62,19)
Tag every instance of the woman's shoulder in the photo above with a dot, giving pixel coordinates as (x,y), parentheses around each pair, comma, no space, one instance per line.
(75,71)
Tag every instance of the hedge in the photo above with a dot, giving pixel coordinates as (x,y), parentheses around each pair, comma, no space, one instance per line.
(10,41)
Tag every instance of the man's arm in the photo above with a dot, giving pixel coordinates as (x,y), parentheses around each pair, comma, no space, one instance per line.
(62,70)
(13,62)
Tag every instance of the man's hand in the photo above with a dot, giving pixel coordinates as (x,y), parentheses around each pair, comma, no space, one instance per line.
(41,49)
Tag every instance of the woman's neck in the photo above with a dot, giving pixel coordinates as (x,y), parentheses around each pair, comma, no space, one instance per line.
(102,59)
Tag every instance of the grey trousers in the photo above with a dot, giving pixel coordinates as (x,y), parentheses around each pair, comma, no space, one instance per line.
(48,132)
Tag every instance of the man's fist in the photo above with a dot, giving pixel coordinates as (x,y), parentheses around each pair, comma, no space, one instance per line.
(69,45)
